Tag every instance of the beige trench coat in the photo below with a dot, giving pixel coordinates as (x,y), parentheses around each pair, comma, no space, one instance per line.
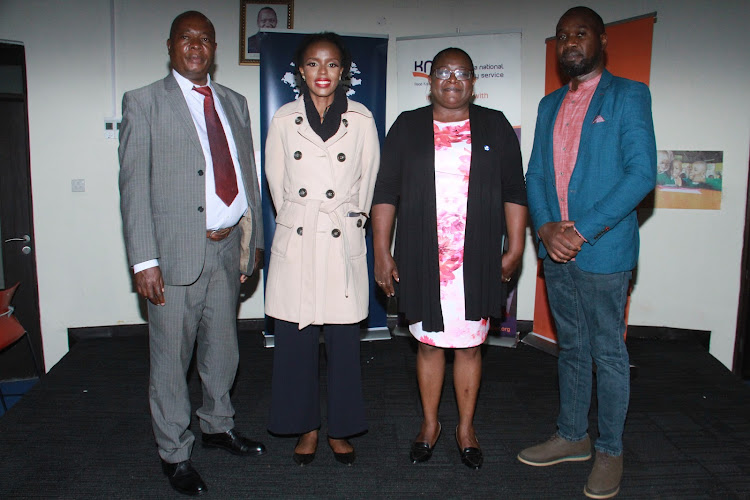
(321,192)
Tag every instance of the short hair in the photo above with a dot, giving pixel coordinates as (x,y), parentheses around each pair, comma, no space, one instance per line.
(447,51)
(186,14)
(266,8)
(596,19)
(324,36)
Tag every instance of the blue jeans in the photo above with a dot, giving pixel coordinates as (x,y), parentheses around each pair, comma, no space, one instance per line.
(589,313)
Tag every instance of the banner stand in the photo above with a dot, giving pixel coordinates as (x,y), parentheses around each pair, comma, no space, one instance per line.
(495,340)
(498,335)
(365,335)
(542,343)
(502,340)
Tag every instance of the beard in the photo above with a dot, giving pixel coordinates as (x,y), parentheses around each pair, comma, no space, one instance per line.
(583,67)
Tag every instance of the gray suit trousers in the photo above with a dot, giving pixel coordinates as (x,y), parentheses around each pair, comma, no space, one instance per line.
(206,312)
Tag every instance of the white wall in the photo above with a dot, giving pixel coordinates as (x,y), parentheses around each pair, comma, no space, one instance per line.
(689,269)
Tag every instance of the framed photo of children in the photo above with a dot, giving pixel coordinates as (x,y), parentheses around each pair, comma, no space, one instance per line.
(689,179)
(258,15)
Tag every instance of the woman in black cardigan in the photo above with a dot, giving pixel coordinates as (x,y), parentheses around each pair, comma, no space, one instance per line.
(454,171)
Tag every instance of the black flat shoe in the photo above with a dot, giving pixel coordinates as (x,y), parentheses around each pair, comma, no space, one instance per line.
(233,442)
(470,456)
(422,451)
(345,458)
(184,478)
(302,458)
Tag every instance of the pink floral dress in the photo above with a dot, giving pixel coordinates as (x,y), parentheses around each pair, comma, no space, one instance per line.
(452,163)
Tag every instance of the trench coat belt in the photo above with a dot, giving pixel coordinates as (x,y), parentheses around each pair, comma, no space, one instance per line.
(309,229)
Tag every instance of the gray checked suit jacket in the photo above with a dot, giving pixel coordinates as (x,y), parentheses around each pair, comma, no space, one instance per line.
(162,183)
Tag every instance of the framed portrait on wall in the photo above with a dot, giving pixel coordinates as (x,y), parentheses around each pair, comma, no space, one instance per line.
(257,15)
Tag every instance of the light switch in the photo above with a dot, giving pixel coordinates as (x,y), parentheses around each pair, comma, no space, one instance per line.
(111,128)
(78,185)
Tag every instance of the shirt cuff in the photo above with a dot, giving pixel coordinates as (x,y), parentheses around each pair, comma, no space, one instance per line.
(145,265)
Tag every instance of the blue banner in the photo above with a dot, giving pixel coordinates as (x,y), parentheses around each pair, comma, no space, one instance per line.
(278,86)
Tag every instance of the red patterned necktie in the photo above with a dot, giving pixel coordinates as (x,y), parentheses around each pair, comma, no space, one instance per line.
(225,180)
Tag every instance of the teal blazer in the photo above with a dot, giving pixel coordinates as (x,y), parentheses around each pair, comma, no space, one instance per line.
(614,171)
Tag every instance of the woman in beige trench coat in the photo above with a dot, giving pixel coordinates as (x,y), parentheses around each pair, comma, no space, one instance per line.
(322,157)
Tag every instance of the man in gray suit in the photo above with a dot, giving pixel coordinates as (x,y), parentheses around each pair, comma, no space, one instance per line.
(191,215)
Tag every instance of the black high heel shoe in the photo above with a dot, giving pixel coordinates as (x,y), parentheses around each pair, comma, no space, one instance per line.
(302,459)
(470,456)
(422,451)
(347,458)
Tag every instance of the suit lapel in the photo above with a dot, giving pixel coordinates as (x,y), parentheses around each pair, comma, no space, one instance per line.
(595,107)
(234,122)
(180,108)
(244,150)
(551,135)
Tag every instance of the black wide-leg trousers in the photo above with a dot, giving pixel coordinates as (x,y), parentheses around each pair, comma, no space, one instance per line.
(295,388)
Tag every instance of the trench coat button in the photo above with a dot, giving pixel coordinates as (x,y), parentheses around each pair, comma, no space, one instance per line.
(200,209)
(359,223)
(299,231)
(345,122)
(200,172)
(297,155)
(330,194)
(335,233)
(341,157)
(298,120)
(303,192)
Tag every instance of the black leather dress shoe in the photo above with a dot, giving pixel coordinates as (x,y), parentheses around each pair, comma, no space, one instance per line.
(233,442)
(184,478)
(422,451)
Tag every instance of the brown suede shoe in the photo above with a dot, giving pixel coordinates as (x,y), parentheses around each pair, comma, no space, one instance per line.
(604,480)
(556,450)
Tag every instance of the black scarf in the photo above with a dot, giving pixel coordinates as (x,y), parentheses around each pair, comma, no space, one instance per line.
(331,118)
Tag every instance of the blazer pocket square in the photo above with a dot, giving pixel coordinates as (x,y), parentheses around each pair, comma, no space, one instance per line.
(599,119)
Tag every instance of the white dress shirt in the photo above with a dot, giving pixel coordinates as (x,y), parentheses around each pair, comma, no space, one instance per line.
(218,215)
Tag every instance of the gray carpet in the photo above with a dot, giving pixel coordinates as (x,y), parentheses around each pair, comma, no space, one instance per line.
(84,431)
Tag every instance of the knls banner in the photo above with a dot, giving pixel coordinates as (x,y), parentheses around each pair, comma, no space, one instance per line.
(497,66)
(278,86)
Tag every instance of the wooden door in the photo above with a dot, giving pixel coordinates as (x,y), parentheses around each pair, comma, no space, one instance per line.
(16,223)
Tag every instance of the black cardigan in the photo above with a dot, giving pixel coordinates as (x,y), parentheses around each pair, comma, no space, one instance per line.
(407,180)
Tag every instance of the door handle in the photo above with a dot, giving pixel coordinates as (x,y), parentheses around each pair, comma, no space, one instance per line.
(26,238)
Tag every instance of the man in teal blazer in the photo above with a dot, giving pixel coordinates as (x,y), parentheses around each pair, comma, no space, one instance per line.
(593,161)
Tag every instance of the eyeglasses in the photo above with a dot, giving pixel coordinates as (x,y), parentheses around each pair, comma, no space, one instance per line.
(461,74)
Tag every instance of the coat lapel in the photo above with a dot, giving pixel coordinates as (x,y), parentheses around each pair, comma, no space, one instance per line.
(180,108)
(305,130)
